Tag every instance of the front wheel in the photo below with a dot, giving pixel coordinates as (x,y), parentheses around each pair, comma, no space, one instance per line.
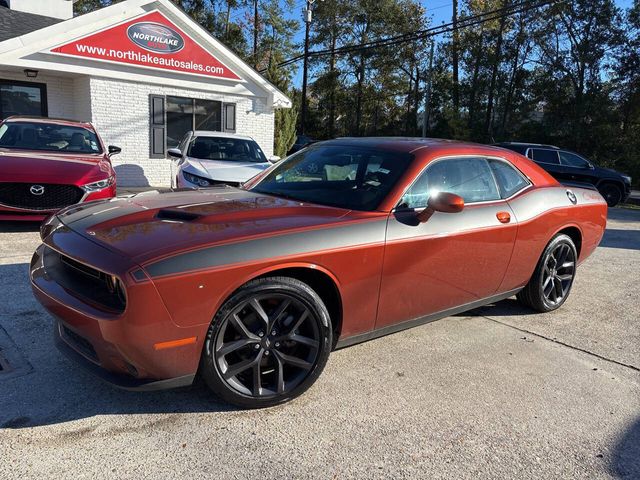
(553,277)
(268,343)
(611,193)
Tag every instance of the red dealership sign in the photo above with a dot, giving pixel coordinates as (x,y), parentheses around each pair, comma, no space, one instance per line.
(150,41)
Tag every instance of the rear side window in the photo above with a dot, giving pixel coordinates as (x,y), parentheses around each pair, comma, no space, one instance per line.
(545,156)
(510,180)
(471,178)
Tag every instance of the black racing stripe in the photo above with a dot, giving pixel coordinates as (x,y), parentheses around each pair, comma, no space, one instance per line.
(272,247)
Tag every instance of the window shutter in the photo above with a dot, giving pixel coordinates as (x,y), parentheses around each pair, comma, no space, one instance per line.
(157,124)
(229,120)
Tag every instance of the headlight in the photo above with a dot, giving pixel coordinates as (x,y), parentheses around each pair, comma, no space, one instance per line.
(627,179)
(99,185)
(200,181)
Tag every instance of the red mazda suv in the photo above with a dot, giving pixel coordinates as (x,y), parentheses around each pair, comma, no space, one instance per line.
(47,164)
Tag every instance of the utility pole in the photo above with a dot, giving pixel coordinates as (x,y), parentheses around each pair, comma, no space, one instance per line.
(427,99)
(256,19)
(455,60)
(307,26)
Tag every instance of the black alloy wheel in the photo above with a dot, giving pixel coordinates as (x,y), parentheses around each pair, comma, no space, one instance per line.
(611,193)
(267,344)
(558,273)
(553,278)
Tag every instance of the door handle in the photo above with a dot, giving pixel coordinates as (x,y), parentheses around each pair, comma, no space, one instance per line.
(503,217)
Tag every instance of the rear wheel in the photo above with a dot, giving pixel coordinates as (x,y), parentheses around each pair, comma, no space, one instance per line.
(268,343)
(611,193)
(553,277)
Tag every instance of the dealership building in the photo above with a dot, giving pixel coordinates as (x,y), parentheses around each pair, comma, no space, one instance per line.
(142,71)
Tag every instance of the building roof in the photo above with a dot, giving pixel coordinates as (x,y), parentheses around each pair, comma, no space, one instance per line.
(38,48)
(14,23)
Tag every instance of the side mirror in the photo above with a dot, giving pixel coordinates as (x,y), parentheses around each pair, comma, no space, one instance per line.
(174,152)
(273,159)
(113,150)
(441,202)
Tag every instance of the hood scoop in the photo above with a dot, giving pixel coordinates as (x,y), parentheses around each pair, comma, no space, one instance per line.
(176,215)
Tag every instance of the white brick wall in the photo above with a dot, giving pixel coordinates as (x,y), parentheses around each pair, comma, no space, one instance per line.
(82,99)
(120,112)
(60,91)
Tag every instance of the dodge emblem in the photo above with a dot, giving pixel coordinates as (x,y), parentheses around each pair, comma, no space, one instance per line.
(36,190)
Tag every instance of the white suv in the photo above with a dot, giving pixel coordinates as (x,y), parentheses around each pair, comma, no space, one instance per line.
(207,158)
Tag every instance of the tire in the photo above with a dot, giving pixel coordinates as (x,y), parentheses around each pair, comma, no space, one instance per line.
(550,285)
(611,193)
(251,366)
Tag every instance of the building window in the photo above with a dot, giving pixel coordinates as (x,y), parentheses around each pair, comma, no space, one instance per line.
(22,98)
(171,117)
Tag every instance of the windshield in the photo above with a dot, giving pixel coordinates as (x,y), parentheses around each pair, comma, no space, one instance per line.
(48,137)
(355,178)
(226,149)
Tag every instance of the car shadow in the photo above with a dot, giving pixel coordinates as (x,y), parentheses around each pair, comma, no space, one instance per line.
(624,214)
(625,458)
(505,308)
(626,239)
(53,389)
(131,174)
(79,396)
(16,227)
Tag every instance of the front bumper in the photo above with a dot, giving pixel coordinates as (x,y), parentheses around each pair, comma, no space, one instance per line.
(120,380)
(119,347)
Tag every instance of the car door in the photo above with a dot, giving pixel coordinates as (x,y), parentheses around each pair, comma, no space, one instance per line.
(578,169)
(452,259)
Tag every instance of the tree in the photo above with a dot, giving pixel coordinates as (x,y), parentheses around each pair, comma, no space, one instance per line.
(285,118)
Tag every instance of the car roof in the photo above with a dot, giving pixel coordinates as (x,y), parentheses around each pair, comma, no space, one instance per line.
(211,133)
(525,144)
(405,144)
(49,120)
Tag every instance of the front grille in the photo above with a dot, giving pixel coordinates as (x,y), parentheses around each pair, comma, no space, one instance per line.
(80,343)
(92,286)
(53,196)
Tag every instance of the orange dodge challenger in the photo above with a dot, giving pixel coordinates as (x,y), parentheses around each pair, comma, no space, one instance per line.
(347,240)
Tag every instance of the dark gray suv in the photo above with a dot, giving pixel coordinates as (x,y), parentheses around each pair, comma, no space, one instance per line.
(571,168)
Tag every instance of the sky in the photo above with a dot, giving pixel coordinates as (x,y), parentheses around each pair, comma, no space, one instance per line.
(439,10)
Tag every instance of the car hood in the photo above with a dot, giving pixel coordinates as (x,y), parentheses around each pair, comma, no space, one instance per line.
(151,225)
(608,171)
(225,171)
(51,168)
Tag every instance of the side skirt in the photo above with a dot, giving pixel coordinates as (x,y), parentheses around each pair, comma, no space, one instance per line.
(388,330)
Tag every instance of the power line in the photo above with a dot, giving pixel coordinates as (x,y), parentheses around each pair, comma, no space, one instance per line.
(432,31)
(496,14)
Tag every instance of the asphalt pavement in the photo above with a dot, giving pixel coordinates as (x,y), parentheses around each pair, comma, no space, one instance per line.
(499,392)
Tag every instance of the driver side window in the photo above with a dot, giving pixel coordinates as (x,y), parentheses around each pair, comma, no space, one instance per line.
(471,178)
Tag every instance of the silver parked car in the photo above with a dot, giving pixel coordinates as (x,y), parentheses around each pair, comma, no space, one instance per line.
(206,158)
